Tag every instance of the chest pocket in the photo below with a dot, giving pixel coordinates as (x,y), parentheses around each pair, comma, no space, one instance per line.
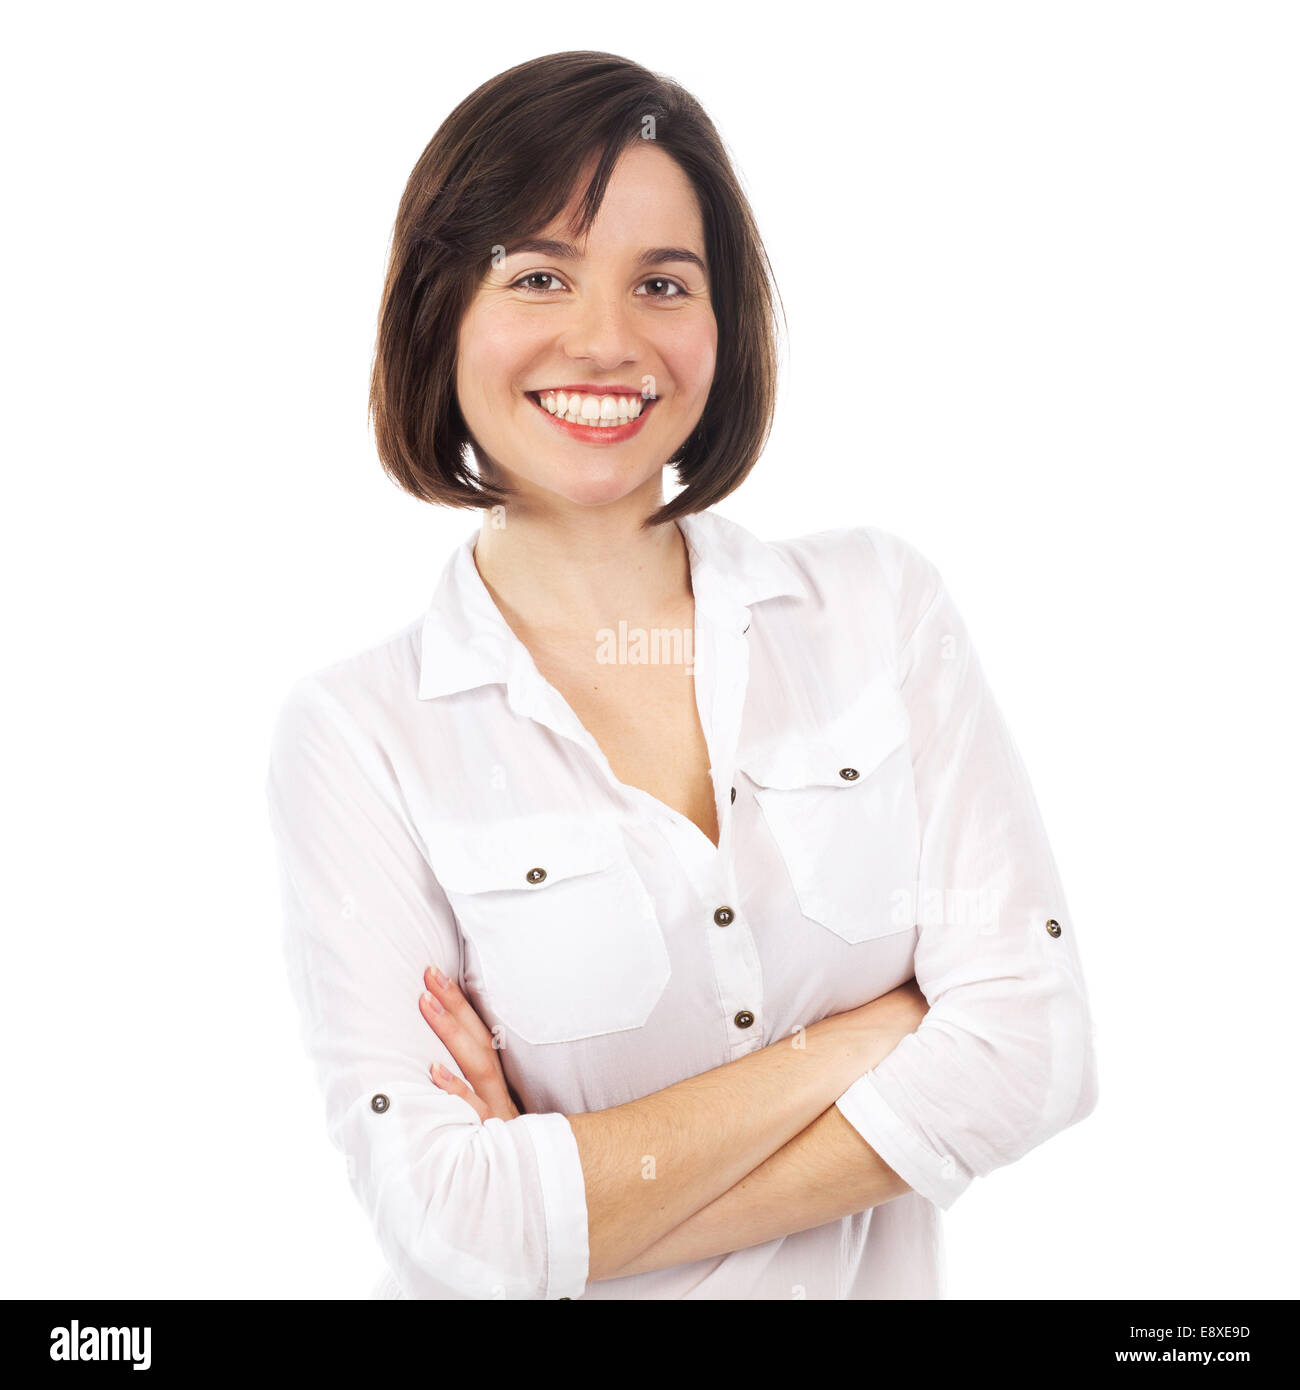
(566,932)
(840,801)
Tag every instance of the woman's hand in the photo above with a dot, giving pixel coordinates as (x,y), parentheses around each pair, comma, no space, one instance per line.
(466,1037)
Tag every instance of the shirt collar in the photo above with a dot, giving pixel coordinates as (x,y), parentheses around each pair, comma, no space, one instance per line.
(465,642)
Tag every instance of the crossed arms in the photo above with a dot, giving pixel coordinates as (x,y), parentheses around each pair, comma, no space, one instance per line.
(747,1152)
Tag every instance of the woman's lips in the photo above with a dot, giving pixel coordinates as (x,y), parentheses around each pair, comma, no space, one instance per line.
(597,434)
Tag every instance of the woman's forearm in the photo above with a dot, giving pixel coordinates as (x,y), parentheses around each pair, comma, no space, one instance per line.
(825,1172)
(651,1164)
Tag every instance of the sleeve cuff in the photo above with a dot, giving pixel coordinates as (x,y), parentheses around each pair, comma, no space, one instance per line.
(937,1177)
(564,1196)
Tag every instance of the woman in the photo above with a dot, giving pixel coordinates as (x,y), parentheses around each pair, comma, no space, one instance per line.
(669,913)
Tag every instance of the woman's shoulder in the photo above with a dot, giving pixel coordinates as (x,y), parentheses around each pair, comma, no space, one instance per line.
(875,549)
(823,554)
(864,563)
(369,687)
(864,577)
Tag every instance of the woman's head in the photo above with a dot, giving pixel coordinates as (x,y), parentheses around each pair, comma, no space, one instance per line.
(575,223)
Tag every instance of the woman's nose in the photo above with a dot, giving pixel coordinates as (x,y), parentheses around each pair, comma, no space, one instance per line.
(601,329)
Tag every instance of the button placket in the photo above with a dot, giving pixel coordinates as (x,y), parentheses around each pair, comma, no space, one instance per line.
(722,679)
(736,965)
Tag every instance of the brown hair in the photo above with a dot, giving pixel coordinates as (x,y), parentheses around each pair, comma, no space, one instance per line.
(502,166)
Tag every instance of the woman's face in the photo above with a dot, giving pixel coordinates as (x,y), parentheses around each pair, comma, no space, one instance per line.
(623,317)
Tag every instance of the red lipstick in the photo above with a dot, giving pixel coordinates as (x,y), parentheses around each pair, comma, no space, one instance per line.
(595,434)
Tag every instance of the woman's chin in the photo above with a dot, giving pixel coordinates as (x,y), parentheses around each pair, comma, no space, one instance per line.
(593,486)
(598,494)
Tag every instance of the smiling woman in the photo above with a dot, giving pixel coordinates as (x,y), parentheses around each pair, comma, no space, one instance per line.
(635,294)
(634,976)
(576,211)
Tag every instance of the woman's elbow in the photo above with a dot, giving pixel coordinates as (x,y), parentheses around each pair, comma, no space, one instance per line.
(456,1222)
(1088,1088)
(1069,1043)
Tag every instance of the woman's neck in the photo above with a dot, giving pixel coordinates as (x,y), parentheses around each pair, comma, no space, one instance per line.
(555,577)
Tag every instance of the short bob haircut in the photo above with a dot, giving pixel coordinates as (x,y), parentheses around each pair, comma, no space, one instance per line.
(501,167)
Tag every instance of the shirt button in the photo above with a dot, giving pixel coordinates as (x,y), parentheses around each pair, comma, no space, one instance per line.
(535,875)
(379,1103)
(743,1019)
(724,917)
(733,795)
(1053,927)
(850,774)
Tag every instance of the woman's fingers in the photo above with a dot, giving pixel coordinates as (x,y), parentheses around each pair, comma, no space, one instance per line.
(451,1083)
(465,1051)
(462,1032)
(448,993)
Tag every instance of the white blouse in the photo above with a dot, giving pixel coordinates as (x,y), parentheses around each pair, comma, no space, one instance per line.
(435,801)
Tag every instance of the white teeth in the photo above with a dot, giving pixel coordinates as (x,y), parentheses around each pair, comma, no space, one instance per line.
(603,412)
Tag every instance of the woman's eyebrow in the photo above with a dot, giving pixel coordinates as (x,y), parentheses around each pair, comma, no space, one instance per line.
(656,254)
(566,251)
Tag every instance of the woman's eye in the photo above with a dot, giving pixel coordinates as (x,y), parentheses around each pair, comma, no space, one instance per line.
(545,282)
(528,282)
(664,288)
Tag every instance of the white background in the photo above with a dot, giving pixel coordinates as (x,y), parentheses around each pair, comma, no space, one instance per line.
(1039,267)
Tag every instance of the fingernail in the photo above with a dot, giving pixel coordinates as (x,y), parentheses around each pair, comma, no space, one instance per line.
(432,1001)
(440,977)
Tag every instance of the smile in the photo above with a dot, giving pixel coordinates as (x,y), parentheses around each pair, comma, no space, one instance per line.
(593,418)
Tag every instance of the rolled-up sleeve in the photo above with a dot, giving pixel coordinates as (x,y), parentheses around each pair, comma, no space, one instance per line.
(1004,1058)
(462,1209)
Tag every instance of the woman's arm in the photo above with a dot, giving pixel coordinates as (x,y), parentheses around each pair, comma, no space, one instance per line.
(646,1161)
(652,1163)
(461,1209)
(1005,1057)
(825,1172)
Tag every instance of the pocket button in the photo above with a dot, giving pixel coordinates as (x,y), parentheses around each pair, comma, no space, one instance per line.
(850,774)
(743,1019)
(552,970)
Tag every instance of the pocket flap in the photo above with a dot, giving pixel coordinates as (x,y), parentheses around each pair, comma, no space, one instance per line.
(840,752)
(529,854)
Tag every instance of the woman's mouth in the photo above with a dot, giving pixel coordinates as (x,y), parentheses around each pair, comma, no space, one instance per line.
(592,417)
